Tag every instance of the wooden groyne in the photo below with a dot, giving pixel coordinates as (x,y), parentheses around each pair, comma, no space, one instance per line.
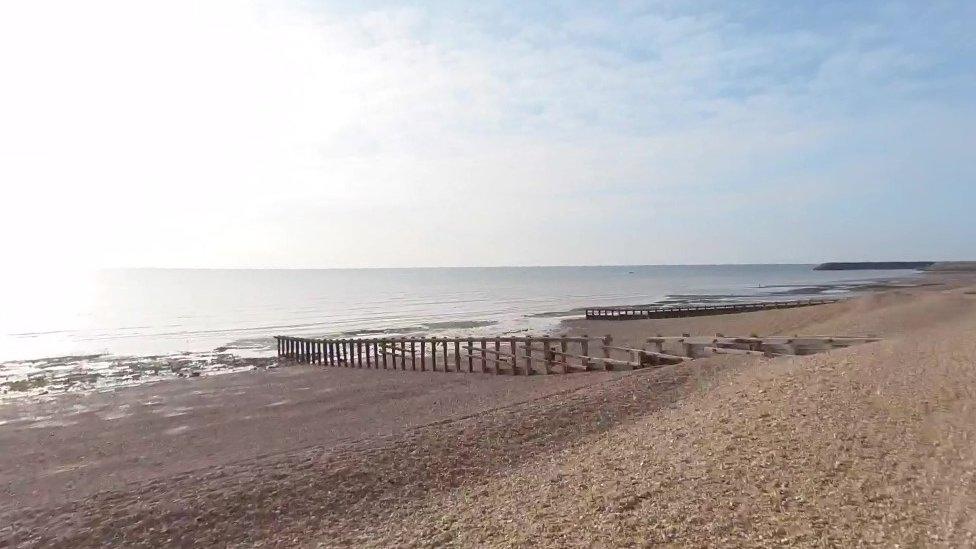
(540,355)
(663,311)
(499,355)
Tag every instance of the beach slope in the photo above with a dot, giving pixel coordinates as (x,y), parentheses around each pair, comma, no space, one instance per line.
(866,445)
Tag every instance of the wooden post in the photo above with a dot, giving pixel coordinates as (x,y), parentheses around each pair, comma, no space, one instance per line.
(433,354)
(446,369)
(470,358)
(484,363)
(498,357)
(528,356)
(457,355)
(423,354)
(385,350)
(564,347)
(413,353)
(607,342)
(585,351)
(514,348)
(403,353)
(547,354)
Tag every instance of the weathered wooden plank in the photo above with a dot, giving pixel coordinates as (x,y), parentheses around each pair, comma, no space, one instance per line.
(413,353)
(470,358)
(484,365)
(457,355)
(446,368)
(433,354)
(514,350)
(423,354)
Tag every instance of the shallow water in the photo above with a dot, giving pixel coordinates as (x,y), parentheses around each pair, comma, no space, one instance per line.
(119,314)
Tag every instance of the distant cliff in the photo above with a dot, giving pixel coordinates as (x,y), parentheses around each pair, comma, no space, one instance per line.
(874,265)
(953,266)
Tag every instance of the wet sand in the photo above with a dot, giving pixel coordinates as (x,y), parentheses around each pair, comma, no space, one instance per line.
(870,444)
(77,444)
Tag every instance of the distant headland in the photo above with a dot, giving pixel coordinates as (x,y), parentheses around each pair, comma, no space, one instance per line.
(874,265)
(945,266)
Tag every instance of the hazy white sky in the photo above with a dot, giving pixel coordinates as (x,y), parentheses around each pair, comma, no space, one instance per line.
(313,134)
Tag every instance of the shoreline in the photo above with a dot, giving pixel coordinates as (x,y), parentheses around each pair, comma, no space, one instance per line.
(351,457)
(51,376)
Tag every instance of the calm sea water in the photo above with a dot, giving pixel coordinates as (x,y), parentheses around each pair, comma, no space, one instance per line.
(151,312)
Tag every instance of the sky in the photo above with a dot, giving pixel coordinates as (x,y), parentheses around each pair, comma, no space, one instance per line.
(319,134)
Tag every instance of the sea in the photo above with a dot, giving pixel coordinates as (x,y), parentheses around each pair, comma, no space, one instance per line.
(84,330)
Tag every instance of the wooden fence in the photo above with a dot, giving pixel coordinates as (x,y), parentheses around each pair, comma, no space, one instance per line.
(634,313)
(499,355)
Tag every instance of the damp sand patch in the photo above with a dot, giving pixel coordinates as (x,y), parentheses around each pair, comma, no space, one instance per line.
(58,375)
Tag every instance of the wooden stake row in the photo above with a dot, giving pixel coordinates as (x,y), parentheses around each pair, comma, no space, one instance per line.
(679,311)
(541,355)
(500,355)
